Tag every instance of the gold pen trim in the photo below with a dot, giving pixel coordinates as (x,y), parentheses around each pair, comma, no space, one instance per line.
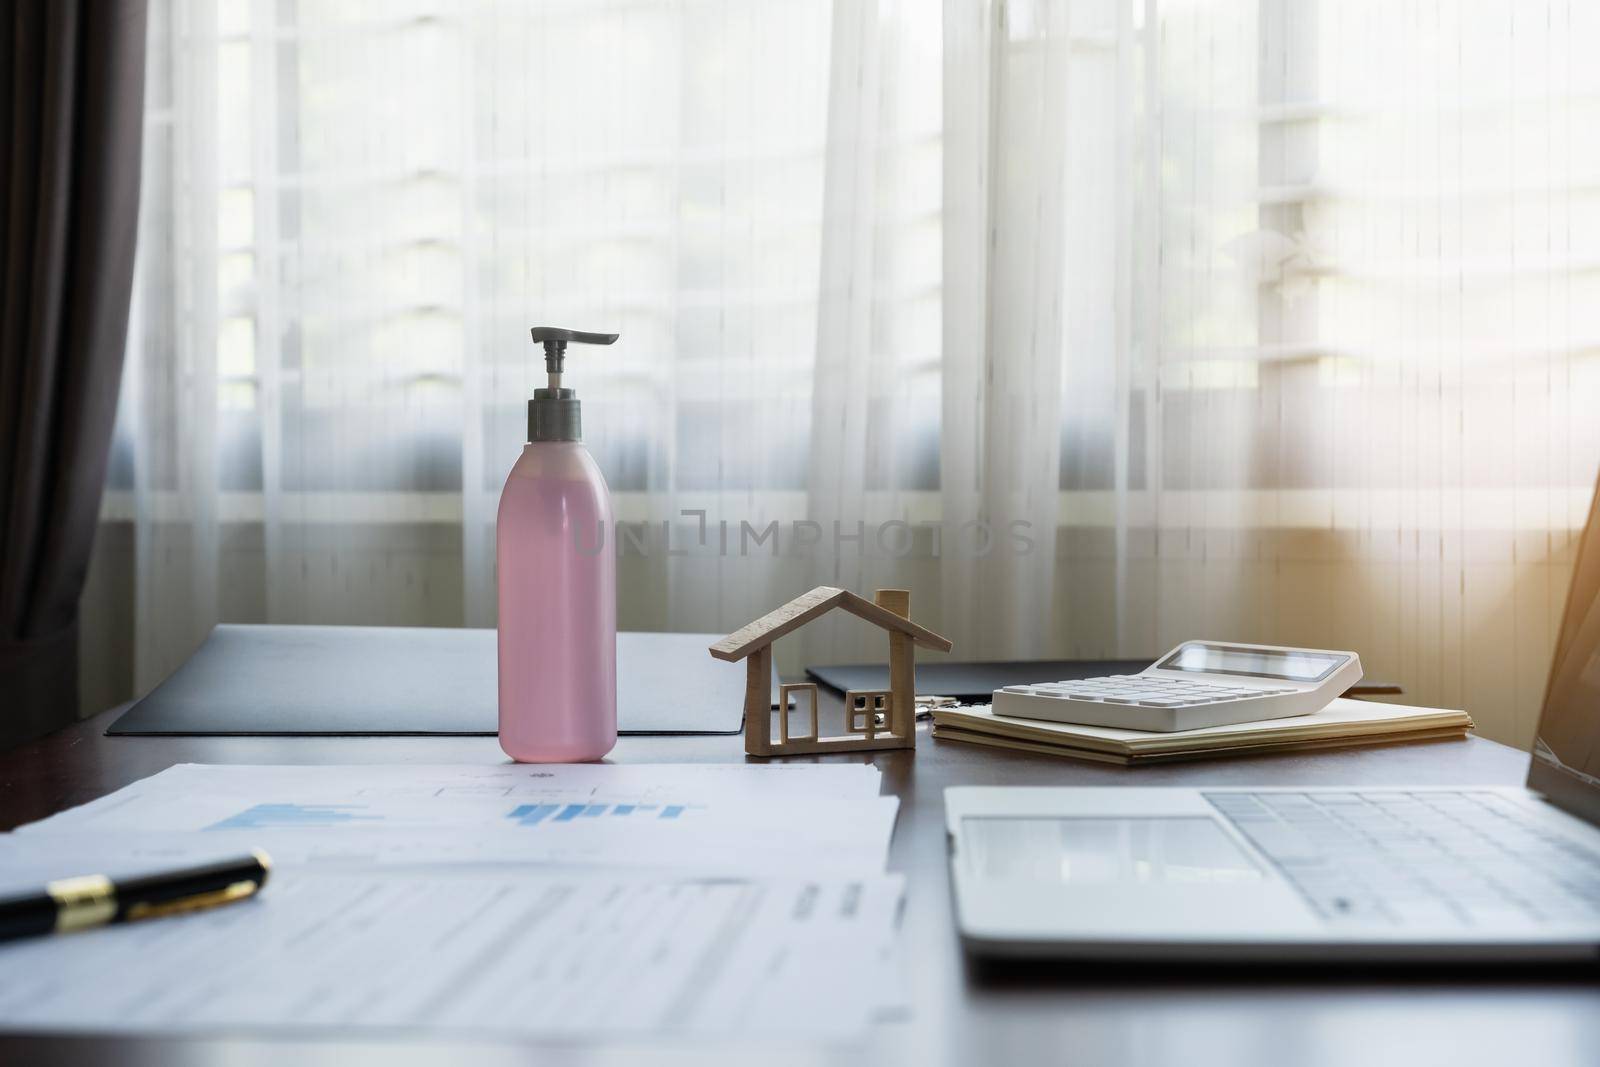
(90,900)
(236,891)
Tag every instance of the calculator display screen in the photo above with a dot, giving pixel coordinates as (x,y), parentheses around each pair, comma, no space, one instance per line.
(1253,662)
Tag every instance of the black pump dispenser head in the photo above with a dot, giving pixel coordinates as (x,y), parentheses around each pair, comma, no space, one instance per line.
(553,413)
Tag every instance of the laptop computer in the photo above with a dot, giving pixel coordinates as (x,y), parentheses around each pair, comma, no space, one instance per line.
(1316,874)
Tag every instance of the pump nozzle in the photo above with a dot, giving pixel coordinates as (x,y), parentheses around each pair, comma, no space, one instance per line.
(553,411)
(555,348)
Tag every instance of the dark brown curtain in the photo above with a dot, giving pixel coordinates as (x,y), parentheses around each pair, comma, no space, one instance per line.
(71,117)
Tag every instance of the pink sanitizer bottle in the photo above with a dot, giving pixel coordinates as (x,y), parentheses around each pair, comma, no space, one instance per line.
(558,582)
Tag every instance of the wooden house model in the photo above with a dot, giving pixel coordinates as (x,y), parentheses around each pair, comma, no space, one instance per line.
(876,718)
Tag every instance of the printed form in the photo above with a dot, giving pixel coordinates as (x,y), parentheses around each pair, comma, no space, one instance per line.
(507,954)
(588,900)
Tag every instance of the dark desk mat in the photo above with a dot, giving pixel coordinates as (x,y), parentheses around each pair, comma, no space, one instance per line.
(389,680)
(976,682)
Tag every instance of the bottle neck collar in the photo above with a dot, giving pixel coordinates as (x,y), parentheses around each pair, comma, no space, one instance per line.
(554,415)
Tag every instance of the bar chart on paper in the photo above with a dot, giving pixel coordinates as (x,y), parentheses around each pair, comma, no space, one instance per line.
(638,802)
(332,818)
(313,816)
(533,814)
(294,816)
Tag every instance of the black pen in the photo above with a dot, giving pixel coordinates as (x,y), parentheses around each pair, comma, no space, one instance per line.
(95,900)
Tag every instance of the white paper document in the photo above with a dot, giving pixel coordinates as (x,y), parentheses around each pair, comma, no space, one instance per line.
(829,839)
(532,901)
(509,954)
(213,798)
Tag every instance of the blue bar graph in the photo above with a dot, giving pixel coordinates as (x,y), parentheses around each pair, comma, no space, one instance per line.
(534,814)
(272,816)
(570,812)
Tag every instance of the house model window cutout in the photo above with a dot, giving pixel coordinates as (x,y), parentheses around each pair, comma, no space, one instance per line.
(875,719)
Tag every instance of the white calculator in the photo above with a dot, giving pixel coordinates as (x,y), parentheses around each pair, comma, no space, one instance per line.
(1197,684)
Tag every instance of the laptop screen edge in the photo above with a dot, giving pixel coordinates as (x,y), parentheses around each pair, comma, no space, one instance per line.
(1569,719)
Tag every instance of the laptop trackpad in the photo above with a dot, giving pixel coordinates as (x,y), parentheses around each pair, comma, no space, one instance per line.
(1096,850)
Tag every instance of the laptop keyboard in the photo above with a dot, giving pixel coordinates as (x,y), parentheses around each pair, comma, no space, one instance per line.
(1465,859)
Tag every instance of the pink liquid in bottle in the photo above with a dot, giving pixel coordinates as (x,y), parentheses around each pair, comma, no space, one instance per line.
(558,607)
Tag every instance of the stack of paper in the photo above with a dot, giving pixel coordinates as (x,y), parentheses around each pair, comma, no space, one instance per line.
(489,900)
(1343,722)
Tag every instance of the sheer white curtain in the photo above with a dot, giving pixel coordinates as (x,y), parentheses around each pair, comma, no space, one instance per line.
(1099,324)
(1377,343)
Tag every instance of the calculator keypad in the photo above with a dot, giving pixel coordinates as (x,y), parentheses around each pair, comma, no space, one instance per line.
(1143,690)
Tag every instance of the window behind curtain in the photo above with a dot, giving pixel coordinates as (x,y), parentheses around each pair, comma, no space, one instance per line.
(1311,281)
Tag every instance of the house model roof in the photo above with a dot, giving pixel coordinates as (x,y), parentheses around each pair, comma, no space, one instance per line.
(802,609)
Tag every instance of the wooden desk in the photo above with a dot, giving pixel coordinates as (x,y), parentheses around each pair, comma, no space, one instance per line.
(964,1014)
